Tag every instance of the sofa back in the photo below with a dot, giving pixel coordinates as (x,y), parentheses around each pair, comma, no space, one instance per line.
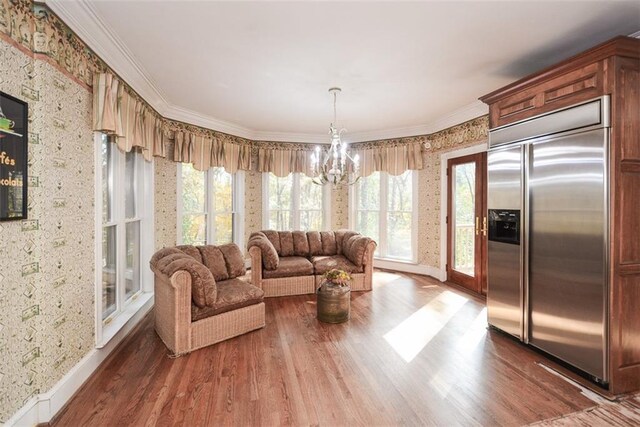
(224,261)
(275,244)
(307,243)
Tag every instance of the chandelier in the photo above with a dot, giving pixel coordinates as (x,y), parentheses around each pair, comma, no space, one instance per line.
(334,164)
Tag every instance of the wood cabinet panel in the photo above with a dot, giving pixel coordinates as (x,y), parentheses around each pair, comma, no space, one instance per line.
(628,104)
(628,220)
(625,333)
(563,91)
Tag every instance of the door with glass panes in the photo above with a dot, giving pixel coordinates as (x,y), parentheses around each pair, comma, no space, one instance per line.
(467,221)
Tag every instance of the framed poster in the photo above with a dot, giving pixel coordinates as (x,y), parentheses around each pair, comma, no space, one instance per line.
(13,158)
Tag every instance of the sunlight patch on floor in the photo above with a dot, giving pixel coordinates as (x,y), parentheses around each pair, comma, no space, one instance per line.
(382,278)
(476,333)
(414,333)
(443,381)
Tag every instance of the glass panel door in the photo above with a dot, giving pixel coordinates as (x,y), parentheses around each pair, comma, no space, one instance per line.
(467,221)
(464,212)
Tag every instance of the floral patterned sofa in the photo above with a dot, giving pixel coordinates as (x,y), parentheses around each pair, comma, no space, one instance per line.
(201,296)
(292,262)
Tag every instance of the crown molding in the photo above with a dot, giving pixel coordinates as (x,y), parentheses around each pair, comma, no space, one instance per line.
(82,18)
(461,115)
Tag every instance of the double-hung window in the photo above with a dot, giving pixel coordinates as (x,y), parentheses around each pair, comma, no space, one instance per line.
(384,209)
(208,206)
(295,202)
(126,235)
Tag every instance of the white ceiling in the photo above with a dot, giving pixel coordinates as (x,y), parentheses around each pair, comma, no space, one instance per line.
(262,69)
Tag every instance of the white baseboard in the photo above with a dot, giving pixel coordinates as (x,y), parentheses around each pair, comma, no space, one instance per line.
(405,267)
(43,407)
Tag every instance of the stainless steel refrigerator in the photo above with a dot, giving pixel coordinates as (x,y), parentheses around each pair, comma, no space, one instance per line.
(548,223)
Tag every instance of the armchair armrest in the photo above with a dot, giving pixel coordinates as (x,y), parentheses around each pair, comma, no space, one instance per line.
(368,253)
(173,310)
(256,266)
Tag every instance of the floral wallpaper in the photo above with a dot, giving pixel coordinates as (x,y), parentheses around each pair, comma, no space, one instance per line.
(47,261)
(340,207)
(460,136)
(252,203)
(165,202)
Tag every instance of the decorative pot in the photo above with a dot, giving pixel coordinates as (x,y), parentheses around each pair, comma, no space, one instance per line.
(333,303)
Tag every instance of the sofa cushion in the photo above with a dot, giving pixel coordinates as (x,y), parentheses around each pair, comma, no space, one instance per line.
(161,253)
(341,237)
(315,243)
(324,263)
(162,263)
(354,249)
(274,238)
(328,243)
(213,259)
(289,267)
(203,285)
(286,243)
(270,258)
(192,251)
(232,295)
(300,243)
(233,259)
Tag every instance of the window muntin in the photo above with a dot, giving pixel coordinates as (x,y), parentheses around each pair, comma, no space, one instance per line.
(295,202)
(207,206)
(384,206)
(122,177)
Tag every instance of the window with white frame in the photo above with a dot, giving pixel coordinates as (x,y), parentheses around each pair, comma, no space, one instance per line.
(208,206)
(124,217)
(294,202)
(383,209)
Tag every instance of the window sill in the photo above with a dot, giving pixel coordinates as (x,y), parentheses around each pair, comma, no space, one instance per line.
(111,330)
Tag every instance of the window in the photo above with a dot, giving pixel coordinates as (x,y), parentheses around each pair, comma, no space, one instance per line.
(125,225)
(295,202)
(384,210)
(207,206)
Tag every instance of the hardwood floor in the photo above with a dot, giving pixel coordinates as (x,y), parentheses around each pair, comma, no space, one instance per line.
(415,352)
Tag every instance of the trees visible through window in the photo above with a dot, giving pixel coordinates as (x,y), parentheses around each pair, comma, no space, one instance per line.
(384,212)
(207,210)
(294,202)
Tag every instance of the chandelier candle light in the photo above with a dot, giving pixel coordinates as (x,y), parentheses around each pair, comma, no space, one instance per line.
(331,166)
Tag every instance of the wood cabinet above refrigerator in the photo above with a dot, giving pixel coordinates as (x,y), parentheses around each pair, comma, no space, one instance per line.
(611,68)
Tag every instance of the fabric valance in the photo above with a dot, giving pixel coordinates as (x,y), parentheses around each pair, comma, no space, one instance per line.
(283,161)
(128,120)
(394,159)
(211,151)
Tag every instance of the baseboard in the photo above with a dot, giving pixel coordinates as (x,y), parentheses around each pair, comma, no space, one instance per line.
(43,407)
(405,267)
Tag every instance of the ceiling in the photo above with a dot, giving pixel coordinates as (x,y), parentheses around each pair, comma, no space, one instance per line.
(262,69)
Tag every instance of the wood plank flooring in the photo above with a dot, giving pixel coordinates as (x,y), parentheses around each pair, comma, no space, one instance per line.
(415,352)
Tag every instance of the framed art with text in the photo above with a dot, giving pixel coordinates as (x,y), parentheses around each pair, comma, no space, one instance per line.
(13,158)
